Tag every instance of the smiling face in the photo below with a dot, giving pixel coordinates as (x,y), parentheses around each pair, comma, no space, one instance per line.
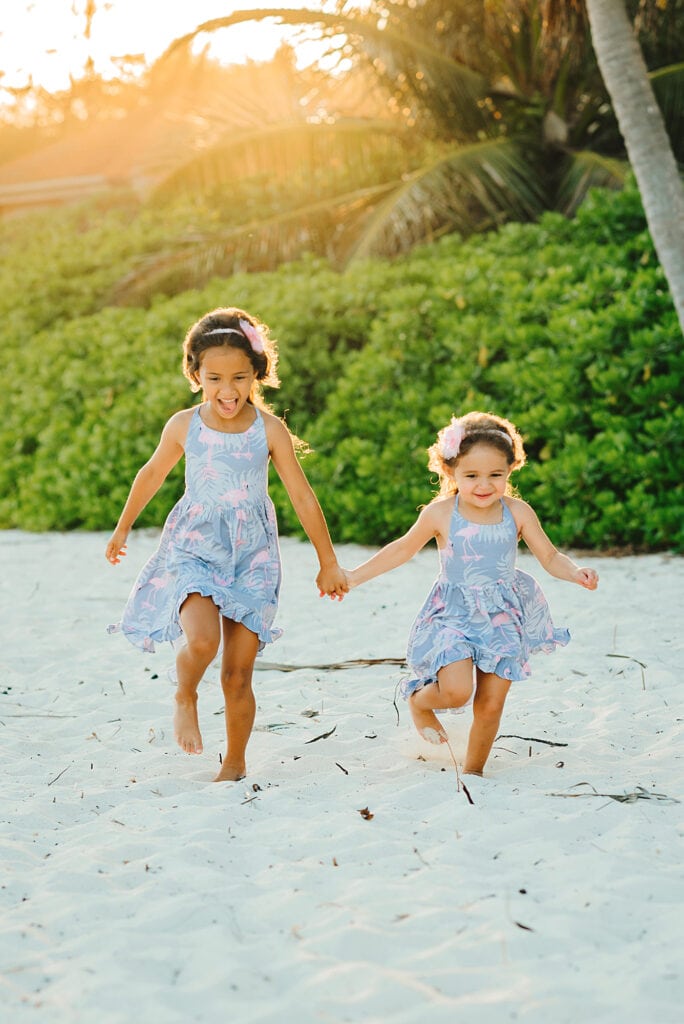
(481,476)
(226,377)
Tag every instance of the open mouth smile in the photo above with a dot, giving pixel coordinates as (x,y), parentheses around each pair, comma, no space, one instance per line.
(227,406)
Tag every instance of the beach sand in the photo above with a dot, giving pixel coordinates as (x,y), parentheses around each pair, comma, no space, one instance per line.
(348,877)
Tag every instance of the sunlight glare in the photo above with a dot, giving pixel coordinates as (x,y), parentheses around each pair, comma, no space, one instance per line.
(44,42)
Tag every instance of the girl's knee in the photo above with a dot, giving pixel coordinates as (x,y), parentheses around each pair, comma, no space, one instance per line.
(455,683)
(488,710)
(456,694)
(236,679)
(203,648)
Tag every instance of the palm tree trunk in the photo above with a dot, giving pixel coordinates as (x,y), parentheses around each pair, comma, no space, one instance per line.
(648,147)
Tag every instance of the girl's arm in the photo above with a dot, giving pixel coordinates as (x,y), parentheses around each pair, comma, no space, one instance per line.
(554,561)
(331,578)
(398,551)
(148,480)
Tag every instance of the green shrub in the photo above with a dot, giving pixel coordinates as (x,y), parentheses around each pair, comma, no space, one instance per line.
(577,342)
(566,327)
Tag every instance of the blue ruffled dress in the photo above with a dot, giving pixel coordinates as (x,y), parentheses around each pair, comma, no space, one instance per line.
(220,540)
(481,607)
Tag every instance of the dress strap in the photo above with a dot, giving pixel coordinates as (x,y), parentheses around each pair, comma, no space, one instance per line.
(196,422)
(508,515)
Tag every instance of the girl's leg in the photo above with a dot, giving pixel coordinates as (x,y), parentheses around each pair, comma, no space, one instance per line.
(200,621)
(240,647)
(452,690)
(490,698)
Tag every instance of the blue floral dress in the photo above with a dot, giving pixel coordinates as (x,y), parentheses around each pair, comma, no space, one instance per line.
(481,607)
(220,540)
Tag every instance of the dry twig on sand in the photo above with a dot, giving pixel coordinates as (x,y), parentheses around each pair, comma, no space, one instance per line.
(628,657)
(623,798)
(333,666)
(529,739)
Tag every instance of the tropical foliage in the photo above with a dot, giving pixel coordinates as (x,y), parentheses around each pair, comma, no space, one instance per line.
(490,114)
(564,326)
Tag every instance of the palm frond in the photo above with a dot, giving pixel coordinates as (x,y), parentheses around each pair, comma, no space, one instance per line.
(282,150)
(407,50)
(465,189)
(519,47)
(515,138)
(259,244)
(668,86)
(585,170)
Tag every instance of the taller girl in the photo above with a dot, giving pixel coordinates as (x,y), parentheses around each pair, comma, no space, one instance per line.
(483,617)
(216,573)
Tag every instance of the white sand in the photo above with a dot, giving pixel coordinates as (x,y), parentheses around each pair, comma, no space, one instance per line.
(135,890)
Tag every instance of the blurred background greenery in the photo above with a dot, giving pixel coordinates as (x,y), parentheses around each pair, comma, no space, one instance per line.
(434,216)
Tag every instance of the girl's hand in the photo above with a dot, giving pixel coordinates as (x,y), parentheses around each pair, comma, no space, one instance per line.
(352,581)
(332,582)
(587,578)
(116,547)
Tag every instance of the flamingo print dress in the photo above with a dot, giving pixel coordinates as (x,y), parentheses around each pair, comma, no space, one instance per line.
(481,607)
(220,540)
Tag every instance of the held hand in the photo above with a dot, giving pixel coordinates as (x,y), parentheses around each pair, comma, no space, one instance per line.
(587,578)
(332,582)
(116,546)
(352,581)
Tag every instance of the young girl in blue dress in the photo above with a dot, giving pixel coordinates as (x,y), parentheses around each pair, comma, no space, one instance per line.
(483,617)
(215,576)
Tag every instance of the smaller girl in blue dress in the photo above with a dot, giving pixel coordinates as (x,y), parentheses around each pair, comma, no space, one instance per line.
(215,576)
(483,617)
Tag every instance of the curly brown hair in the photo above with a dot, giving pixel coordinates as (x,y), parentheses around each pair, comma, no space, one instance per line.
(199,338)
(478,428)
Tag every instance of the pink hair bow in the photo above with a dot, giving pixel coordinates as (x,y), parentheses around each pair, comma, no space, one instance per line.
(450,438)
(253,335)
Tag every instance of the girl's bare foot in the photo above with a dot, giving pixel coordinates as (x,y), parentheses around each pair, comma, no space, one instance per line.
(427,724)
(433,735)
(231,772)
(186,724)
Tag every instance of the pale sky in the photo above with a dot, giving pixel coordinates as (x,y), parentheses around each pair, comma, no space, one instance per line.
(44,38)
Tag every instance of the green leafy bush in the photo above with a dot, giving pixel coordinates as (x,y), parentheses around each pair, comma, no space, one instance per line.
(576,341)
(566,327)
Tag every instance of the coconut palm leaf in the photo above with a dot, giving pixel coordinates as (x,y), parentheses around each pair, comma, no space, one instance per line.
(526,128)
(389,47)
(585,170)
(595,123)
(357,147)
(259,244)
(668,86)
(520,49)
(465,188)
